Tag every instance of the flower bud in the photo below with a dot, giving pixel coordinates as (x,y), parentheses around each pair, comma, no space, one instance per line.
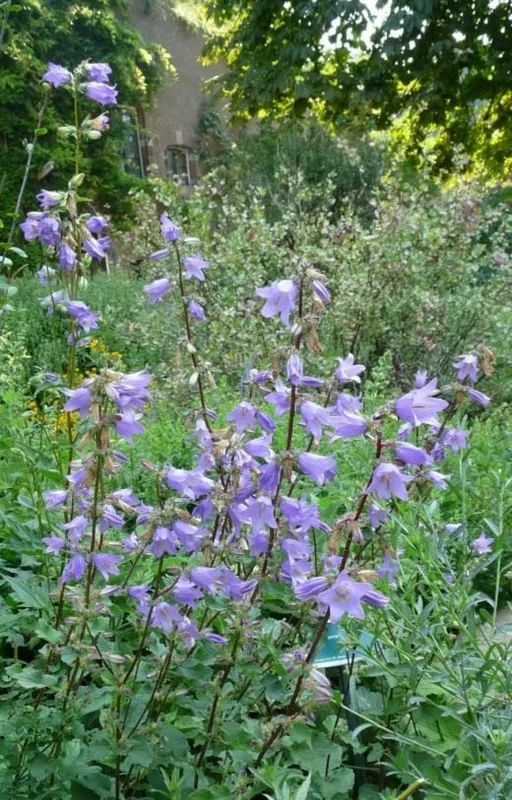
(76,180)
(66,131)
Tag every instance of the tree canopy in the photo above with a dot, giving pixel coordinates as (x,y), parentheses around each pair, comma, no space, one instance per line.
(441,66)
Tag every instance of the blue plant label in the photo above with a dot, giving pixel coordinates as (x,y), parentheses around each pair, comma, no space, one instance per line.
(337,648)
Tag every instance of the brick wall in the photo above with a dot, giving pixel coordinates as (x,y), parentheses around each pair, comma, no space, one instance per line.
(174,118)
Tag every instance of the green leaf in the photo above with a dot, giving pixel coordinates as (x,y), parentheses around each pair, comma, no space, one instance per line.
(18,251)
(45,631)
(40,131)
(301,733)
(338,784)
(139,755)
(302,791)
(213,793)
(28,593)
(31,677)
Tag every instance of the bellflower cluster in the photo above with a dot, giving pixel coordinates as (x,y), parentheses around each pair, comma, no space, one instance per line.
(237,525)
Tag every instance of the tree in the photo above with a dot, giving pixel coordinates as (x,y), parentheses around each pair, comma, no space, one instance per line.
(442,67)
(34,32)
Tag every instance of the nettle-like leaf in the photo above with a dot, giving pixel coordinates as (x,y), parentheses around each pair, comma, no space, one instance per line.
(31,677)
(28,592)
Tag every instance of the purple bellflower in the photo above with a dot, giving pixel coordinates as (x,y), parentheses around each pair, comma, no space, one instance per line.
(128,425)
(260,514)
(75,528)
(106,564)
(189,483)
(412,455)
(45,275)
(67,257)
(388,481)
(94,248)
(279,398)
(243,415)
(467,367)
(74,569)
(99,72)
(78,400)
(101,92)
(419,406)
(389,567)
(479,397)
(315,416)
(49,231)
(169,229)
(420,379)
(319,468)
(31,225)
(157,289)
(482,545)
(57,75)
(438,479)
(186,592)
(348,425)
(321,292)
(452,527)
(96,224)
(54,544)
(166,617)
(280,299)
(347,402)
(294,370)
(194,266)
(54,497)
(47,199)
(377,516)
(347,371)
(456,439)
(196,311)
(345,597)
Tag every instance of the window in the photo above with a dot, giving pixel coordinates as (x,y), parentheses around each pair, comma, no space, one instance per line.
(132,147)
(178,165)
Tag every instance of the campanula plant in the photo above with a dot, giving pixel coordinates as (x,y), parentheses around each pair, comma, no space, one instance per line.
(171,644)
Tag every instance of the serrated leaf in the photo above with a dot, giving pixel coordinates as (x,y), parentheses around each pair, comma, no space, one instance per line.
(27,593)
(47,632)
(31,677)
(139,755)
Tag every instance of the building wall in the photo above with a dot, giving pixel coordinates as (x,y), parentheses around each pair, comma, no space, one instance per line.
(174,119)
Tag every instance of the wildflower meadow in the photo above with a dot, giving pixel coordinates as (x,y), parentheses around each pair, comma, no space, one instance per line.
(255,508)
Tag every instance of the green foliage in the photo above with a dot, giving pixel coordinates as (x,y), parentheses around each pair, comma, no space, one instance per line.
(35,32)
(97,702)
(441,64)
(280,157)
